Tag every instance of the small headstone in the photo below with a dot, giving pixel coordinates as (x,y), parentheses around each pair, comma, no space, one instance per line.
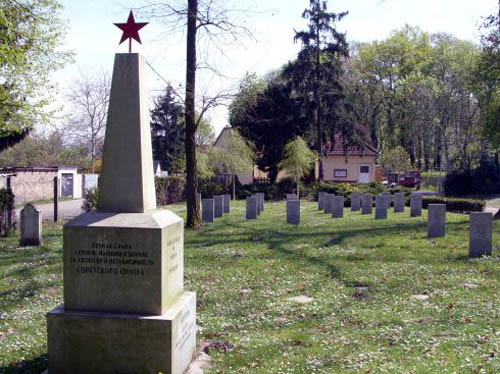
(415,205)
(321,199)
(293,211)
(399,202)
(355,201)
(251,212)
(219,206)
(328,204)
(31,226)
(207,210)
(367,204)
(261,200)
(388,200)
(381,207)
(338,207)
(481,234)
(436,220)
(258,205)
(227,203)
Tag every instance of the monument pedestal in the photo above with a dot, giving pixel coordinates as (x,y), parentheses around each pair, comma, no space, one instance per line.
(125,309)
(105,343)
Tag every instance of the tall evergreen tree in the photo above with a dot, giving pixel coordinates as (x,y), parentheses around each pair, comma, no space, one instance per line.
(316,73)
(167,129)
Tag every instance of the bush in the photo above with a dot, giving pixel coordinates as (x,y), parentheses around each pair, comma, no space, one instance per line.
(344,189)
(433,179)
(455,205)
(7,212)
(212,187)
(285,186)
(170,190)
(482,180)
(90,201)
(268,189)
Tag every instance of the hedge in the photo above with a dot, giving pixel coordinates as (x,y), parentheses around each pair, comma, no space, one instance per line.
(169,190)
(455,205)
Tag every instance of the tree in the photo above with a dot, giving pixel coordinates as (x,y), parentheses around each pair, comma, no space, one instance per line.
(298,159)
(167,128)
(265,114)
(31,34)
(44,150)
(212,17)
(237,157)
(88,98)
(316,73)
(416,91)
(168,131)
(396,160)
(488,78)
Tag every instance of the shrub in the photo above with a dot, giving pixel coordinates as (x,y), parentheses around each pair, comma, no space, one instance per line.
(268,189)
(482,180)
(211,187)
(455,205)
(170,189)
(433,179)
(7,212)
(285,186)
(90,201)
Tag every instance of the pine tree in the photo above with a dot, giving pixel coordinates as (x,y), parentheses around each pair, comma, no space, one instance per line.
(167,129)
(316,73)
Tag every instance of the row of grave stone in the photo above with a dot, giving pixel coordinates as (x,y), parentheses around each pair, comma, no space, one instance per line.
(254,205)
(215,207)
(481,223)
(333,204)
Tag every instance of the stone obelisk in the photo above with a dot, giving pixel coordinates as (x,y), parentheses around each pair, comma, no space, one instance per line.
(125,308)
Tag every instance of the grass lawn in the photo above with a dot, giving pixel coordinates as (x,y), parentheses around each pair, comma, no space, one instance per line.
(384,298)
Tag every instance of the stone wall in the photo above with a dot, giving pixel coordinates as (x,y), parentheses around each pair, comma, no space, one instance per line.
(33,185)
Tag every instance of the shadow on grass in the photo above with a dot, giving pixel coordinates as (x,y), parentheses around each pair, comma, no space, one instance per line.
(332,237)
(33,366)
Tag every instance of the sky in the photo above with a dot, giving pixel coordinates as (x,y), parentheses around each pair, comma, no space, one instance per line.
(94,39)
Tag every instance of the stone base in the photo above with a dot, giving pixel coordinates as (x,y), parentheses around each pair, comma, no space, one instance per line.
(105,343)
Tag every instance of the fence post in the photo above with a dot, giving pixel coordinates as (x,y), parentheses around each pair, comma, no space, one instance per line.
(56,197)
(9,210)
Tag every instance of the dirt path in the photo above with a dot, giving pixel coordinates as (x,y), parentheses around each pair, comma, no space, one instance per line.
(67,210)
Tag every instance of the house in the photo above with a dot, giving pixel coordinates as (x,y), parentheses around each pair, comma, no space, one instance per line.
(356,163)
(157,171)
(37,183)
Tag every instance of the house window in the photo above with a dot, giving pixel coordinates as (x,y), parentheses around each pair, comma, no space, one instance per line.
(364,169)
(340,173)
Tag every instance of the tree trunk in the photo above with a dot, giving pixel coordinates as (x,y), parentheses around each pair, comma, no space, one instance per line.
(193,213)
(317,104)
(437,161)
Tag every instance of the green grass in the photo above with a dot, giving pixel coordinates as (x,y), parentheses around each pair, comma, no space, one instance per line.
(361,274)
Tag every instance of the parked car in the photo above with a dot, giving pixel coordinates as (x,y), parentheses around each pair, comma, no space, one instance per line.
(411,180)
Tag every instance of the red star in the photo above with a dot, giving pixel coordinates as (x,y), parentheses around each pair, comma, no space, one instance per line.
(130,29)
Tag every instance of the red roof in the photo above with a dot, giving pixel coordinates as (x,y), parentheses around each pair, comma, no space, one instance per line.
(337,148)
